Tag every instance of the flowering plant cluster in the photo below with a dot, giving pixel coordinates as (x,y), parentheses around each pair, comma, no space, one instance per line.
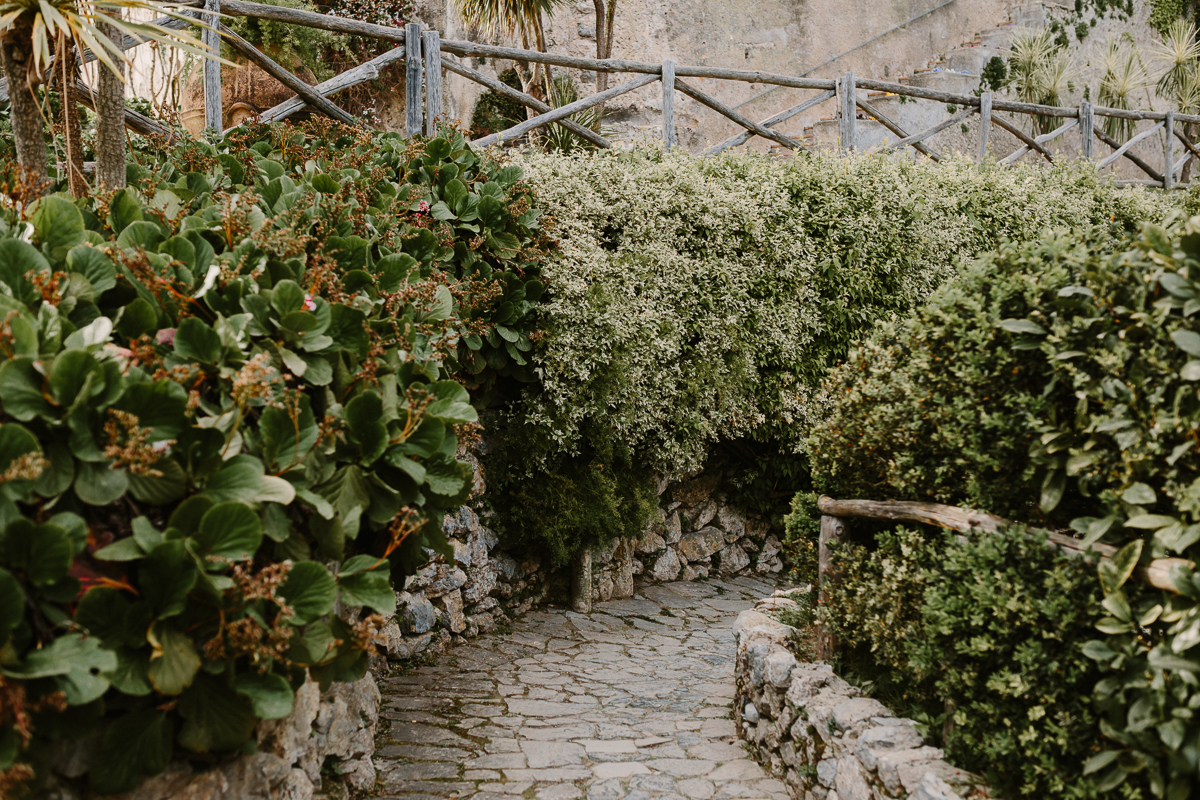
(227,402)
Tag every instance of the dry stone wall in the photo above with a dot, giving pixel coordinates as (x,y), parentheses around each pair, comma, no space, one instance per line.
(818,733)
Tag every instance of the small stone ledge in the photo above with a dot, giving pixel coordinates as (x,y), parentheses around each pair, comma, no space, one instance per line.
(820,736)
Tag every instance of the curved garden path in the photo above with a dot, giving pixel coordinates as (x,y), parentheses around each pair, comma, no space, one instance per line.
(630,701)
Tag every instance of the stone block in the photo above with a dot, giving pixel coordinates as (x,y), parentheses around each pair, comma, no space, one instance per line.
(733,560)
(890,764)
(696,490)
(855,714)
(666,567)
(482,583)
(733,522)
(827,772)
(851,783)
(881,739)
(672,528)
(452,611)
(506,566)
(693,573)
(778,669)
(700,515)
(623,569)
(931,787)
(415,612)
(650,542)
(701,544)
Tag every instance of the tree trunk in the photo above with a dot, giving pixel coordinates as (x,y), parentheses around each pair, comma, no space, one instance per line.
(72,130)
(601,42)
(540,37)
(110,120)
(1189,130)
(16,52)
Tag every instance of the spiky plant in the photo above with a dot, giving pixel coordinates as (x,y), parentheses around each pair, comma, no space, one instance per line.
(1040,71)
(31,30)
(1124,76)
(557,138)
(521,18)
(1176,54)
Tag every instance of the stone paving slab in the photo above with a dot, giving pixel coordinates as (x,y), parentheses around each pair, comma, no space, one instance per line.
(629,702)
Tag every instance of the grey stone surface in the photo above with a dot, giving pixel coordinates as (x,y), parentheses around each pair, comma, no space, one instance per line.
(629,701)
(701,544)
(818,734)
(666,567)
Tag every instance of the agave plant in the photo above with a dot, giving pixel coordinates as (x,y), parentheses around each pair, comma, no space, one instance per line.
(557,138)
(1124,76)
(1177,53)
(1040,71)
(32,30)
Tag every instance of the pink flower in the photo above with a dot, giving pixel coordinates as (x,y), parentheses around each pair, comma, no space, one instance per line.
(165,336)
(309,303)
(423,208)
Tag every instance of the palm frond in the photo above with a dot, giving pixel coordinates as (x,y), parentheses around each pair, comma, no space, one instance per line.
(1177,51)
(1124,76)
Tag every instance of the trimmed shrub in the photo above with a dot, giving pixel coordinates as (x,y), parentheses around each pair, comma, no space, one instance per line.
(228,403)
(1097,429)
(984,639)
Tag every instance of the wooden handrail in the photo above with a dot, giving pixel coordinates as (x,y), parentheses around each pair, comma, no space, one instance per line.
(1156,572)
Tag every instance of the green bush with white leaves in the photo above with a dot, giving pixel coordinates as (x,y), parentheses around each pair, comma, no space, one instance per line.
(227,406)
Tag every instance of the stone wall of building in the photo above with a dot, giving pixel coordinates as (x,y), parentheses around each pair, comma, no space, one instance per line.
(818,733)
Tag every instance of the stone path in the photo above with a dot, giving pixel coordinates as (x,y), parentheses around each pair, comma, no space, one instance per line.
(631,701)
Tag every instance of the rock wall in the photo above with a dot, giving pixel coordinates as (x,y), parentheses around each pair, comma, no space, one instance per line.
(336,727)
(818,733)
(695,532)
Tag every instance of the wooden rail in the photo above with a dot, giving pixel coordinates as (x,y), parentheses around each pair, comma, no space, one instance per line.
(424,52)
(834,514)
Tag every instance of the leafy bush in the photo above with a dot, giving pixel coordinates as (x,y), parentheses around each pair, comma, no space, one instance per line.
(984,639)
(244,363)
(493,112)
(1099,425)
(801,534)
(699,301)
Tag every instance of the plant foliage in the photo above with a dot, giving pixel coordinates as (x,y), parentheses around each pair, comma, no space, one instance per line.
(228,401)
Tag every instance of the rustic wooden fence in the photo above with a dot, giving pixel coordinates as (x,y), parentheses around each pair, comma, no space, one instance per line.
(424,52)
(834,531)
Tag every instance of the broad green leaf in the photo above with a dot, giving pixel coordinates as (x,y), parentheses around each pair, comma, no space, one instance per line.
(239,480)
(1053,487)
(101,612)
(122,210)
(165,577)
(42,552)
(97,485)
(136,745)
(309,590)
(371,589)
(215,716)
(1150,521)
(17,260)
(21,390)
(72,652)
(1187,341)
(275,490)
(94,265)
(271,696)
(68,375)
(12,605)
(195,341)
(175,662)
(92,335)
(126,549)
(286,297)
(59,474)
(1023,326)
(230,530)
(57,223)
(1115,572)
(145,534)
(1139,494)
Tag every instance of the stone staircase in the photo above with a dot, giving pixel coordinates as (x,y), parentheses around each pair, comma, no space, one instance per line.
(957,71)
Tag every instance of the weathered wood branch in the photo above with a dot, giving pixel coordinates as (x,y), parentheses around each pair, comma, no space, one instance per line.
(525,100)
(268,65)
(941,126)
(895,128)
(1156,573)
(564,111)
(1023,136)
(769,122)
(1181,136)
(1115,145)
(1123,149)
(833,532)
(1043,139)
(367,71)
(138,123)
(745,122)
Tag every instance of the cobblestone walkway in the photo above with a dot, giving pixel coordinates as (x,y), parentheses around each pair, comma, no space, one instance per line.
(631,701)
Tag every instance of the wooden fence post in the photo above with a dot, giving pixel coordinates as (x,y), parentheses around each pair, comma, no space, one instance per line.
(833,531)
(985,124)
(211,39)
(668,89)
(412,77)
(846,92)
(1086,136)
(431,44)
(1169,150)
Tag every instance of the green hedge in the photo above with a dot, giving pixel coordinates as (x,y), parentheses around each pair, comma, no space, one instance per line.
(983,640)
(228,401)
(1079,361)
(697,301)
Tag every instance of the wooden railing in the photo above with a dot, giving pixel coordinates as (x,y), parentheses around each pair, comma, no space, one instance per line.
(835,513)
(425,61)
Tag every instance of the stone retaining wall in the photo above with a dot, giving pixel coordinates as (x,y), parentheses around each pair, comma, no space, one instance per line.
(695,532)
(818,733)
